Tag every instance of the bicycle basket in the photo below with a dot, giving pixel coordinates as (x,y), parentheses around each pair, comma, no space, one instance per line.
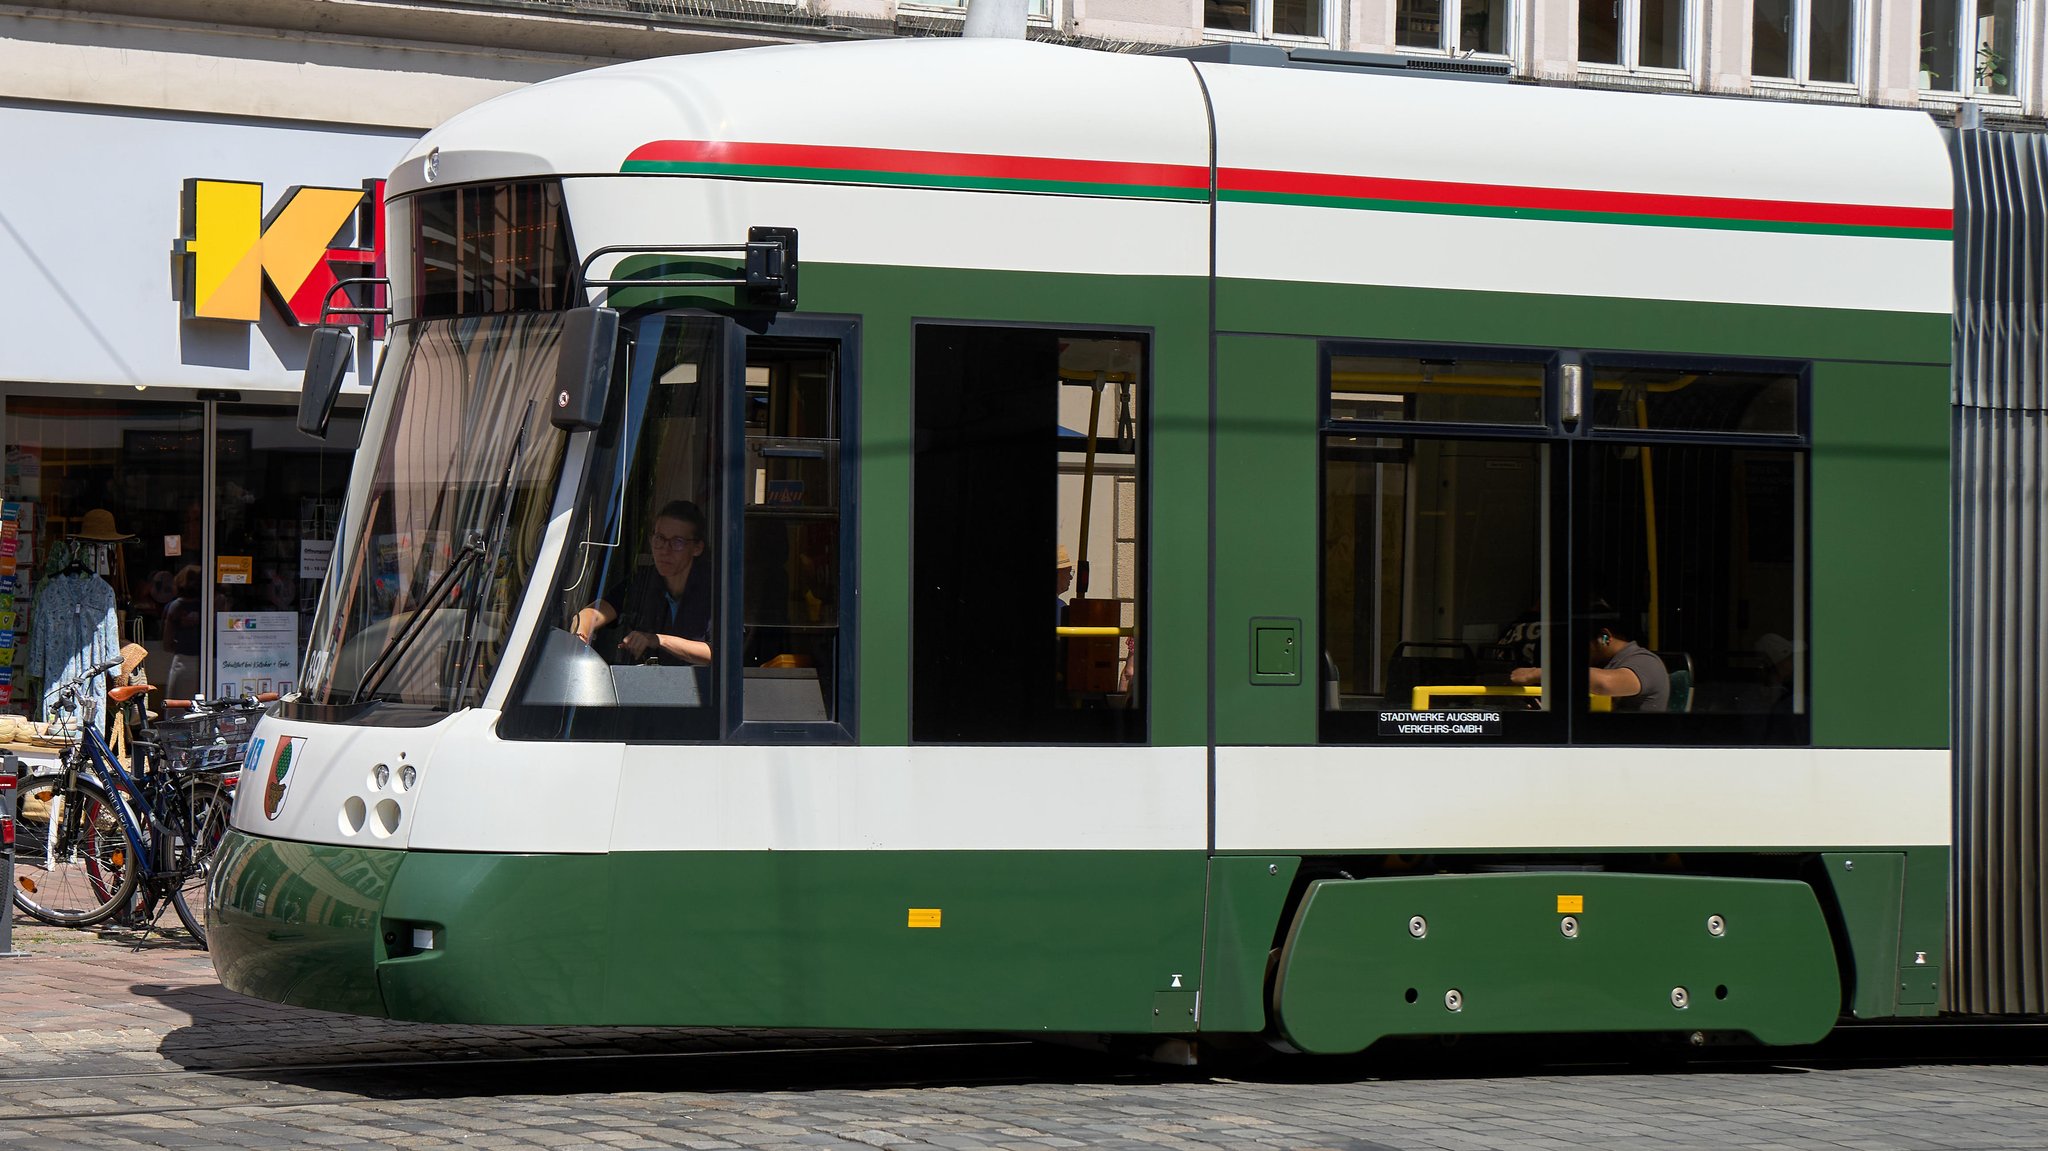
(214,741)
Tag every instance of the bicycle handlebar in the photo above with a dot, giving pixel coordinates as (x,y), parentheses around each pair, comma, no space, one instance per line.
(246,699)
(67,692)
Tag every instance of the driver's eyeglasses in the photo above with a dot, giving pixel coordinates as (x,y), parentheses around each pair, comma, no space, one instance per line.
(664,543)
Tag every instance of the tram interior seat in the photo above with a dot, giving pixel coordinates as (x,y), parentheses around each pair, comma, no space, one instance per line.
(1679,665)
(1419,661)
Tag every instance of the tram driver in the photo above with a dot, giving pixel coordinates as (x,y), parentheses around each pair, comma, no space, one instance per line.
(1622,669)
(665,610)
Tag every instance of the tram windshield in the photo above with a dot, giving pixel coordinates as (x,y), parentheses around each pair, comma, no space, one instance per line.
(445,516)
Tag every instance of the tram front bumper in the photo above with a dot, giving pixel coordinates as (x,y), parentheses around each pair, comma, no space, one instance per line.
(298,923)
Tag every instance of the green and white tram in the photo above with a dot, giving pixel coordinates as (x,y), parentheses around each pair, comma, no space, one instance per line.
(1367,408)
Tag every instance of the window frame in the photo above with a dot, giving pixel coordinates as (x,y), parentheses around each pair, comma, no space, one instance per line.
(1631,66)
(1450,43)
(1569,720)
(1262,27)
(731,534)
(1799,49)
(946,10)
(1964,65)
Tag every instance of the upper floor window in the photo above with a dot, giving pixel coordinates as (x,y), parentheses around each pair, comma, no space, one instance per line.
(1805,41)
(1970,47)
(1635,34)
(1033,9)
(1296,19)
(1457,27)
(1494,569)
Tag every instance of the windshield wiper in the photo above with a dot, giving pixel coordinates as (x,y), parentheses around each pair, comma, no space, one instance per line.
(472,549)
(501,520)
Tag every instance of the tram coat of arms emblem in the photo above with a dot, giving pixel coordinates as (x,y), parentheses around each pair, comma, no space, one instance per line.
(279,776)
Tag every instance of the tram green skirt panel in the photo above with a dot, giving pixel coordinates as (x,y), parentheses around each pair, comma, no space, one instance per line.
(1054,941)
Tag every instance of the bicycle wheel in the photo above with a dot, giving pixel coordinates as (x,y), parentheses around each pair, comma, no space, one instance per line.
(72,865)
(208,802)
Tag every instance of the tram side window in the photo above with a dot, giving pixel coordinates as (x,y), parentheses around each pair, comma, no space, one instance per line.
(629,647)
(1027,471)
(1691,538)
(1437,543)
(1636,577)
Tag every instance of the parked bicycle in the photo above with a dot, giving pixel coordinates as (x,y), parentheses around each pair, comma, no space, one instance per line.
(96,839)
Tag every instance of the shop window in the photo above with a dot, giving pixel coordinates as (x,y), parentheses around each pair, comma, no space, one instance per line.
(1636,34)
(277,502)
(82,468)
(1282,19)
(1970,47)
(1456,27)
(1487,559)
(1028,465)
(1805,41)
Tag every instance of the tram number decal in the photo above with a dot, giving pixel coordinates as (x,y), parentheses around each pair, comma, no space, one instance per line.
(1439,723)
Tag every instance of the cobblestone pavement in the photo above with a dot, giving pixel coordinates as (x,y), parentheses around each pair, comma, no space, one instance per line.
(113,1042)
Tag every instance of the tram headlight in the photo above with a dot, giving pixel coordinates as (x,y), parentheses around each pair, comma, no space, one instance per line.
(408,776)
(380,777)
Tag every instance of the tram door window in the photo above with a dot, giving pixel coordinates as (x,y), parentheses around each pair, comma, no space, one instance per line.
(790,492)
(1437,543)
(1027,470)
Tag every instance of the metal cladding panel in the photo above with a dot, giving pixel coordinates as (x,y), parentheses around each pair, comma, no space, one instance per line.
(2001,229)
(1998,929)
(2001,862)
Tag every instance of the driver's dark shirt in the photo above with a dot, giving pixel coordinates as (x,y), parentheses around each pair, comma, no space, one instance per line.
(643,604)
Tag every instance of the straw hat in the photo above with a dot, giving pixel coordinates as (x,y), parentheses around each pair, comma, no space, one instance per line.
(132,656)
(1064,561)
(99,525)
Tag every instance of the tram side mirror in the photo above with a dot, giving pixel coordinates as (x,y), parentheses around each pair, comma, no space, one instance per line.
(583,374)
(327,362)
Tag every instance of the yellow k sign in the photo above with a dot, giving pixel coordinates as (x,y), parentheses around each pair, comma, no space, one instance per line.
(230,248)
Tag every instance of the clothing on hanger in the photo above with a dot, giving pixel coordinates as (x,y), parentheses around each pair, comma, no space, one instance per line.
(75,627)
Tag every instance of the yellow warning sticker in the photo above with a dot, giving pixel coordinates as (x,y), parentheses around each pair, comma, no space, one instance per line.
(924,917)
(1571,905)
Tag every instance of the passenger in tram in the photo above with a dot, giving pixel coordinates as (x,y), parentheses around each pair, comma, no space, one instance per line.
(666,612)
(1622,669)
(1063,578)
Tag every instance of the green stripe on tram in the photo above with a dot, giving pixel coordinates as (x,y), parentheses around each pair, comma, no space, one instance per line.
(1569,216)
(898,179)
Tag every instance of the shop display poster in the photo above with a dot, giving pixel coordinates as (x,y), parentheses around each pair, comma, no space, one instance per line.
(256,651)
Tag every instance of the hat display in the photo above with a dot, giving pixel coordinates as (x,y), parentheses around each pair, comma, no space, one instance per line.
(1065,561)
(99,525)
(132,656)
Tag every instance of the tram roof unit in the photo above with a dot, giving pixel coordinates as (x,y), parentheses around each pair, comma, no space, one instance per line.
(1795,204)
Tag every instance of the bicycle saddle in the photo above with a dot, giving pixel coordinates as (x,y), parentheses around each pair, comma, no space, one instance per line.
(129,691)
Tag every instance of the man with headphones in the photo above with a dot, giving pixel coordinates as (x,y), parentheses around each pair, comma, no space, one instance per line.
(1631,674)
